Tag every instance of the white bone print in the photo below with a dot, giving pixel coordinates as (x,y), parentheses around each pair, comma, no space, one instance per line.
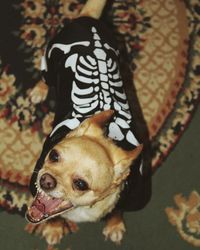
(97,86)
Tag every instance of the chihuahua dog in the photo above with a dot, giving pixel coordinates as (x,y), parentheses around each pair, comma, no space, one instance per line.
(85,166)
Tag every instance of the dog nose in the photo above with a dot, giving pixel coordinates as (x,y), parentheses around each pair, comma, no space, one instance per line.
(47,182)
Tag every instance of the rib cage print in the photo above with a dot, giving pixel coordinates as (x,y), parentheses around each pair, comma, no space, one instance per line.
(97,86)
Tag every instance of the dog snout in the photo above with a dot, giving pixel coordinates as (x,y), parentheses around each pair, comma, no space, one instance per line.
(47,182)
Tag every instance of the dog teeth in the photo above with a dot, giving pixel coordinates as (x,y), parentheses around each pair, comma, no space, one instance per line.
(46,216)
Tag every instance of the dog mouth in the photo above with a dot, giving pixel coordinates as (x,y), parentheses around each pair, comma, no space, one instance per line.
(44,207)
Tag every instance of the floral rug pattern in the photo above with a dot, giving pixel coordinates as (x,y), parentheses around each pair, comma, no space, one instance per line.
(186,217)
(162,39)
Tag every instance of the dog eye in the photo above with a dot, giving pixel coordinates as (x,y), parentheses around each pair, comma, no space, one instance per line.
(80,184)
(54,156)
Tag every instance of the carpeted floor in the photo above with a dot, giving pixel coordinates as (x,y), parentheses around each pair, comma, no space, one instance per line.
(159,43)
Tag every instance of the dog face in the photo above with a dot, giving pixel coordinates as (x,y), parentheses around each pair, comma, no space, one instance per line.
(82,169)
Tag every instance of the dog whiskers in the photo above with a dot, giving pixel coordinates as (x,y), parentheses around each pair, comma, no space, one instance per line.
(34,171)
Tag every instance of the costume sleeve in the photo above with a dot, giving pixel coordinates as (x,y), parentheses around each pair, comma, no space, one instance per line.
(48,68)
(137,189)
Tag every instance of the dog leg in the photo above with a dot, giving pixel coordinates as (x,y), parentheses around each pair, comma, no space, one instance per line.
(55,229)
(52,230)
(93,8)
(115,228)
(39,92)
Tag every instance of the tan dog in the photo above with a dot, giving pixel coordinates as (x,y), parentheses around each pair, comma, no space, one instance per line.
(83,175)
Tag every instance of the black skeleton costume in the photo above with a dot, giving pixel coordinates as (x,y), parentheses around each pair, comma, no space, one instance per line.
(81,63)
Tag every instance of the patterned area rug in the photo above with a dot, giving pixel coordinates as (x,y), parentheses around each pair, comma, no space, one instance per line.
(162,41)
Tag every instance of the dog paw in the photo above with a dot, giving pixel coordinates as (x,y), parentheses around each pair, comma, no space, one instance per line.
(52,230)
(53,234)
(34,228)
(115,232)
(38,93)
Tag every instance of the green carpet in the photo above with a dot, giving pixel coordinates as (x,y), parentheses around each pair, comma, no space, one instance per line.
(148,229)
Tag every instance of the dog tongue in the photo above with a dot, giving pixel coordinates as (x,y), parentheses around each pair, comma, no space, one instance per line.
(42,207)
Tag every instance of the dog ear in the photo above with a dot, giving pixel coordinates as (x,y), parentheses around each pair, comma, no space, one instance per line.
(123,160)
(93,126)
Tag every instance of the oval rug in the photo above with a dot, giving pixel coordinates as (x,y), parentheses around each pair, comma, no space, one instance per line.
(162,40)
